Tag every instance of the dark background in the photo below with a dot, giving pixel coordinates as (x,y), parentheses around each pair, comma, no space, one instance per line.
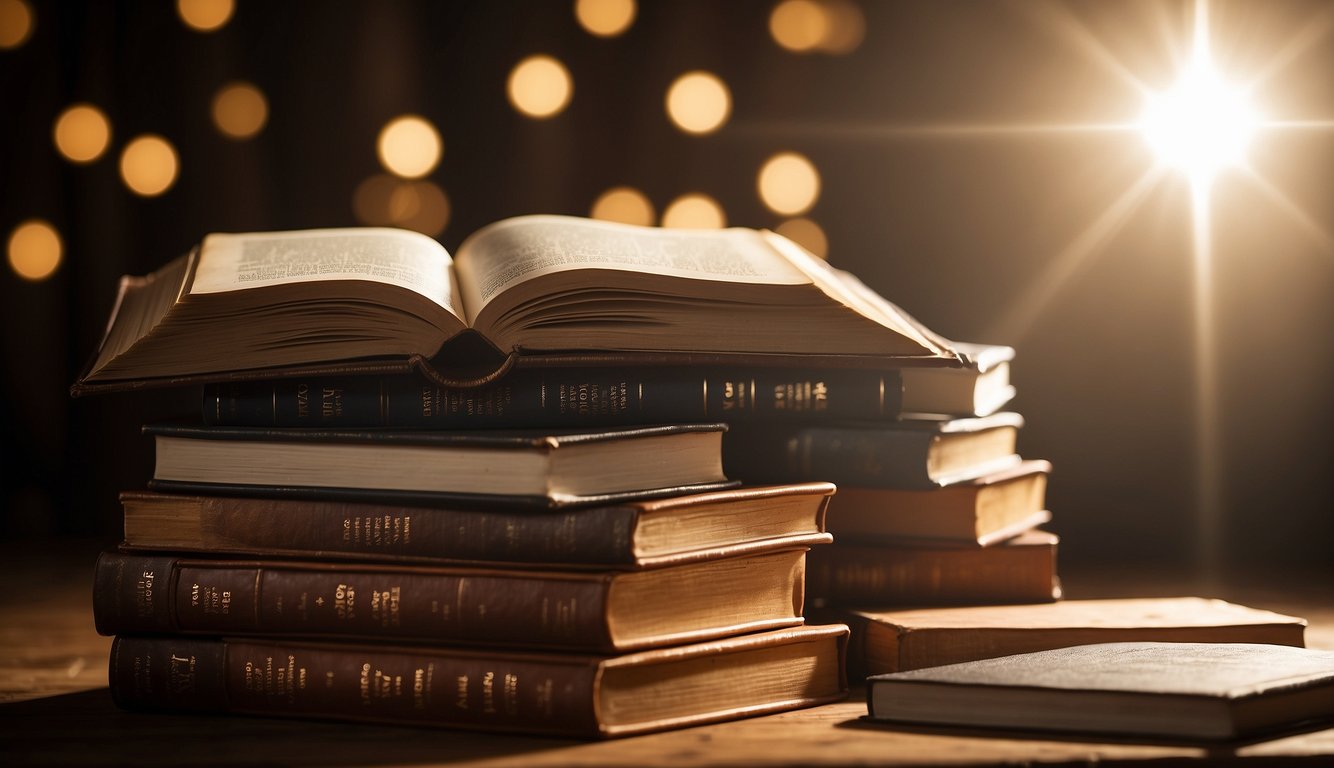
(1008,236)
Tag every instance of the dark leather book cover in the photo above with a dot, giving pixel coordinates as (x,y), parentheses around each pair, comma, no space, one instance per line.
(565,694)
(595,611)
(625,535)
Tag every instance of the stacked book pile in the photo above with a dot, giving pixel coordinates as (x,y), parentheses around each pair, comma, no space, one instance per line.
(572,582)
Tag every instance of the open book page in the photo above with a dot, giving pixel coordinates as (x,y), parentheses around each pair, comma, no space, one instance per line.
(513,251)
(845,288)
(230,262)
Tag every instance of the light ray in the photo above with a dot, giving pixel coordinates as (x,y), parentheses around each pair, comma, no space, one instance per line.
(1311,33)
(1070,30)
(1029,306)
(1298,125)
(935,130)
(1208,445)
(1308,225)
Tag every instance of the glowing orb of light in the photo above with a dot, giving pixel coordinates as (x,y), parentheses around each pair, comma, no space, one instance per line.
(1202,125)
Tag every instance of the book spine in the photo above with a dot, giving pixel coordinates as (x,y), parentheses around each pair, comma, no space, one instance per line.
(876,577)
(163,594)
(854,457)
(596,536)
(369,684)
(559,398)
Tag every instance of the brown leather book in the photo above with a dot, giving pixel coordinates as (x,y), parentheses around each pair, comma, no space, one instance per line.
(626,535)
(375,300)
(553,694)
(1021,570)
(893,641)
(593,611)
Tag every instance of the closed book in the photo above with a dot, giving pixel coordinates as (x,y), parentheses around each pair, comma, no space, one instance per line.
(1208,691)
(561,397)
(564,694)
(978,512)
(506,467)
(592,611)
(910,454)
(1021,570)
(899,640)
(980,387)
(646,533)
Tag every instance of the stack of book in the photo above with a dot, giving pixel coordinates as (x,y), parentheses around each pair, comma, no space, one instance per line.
(411,499)
(572,583)
(936,508)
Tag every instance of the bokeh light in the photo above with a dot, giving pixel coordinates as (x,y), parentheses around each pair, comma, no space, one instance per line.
(82,133)
(827,26)
(605,18)
(624,204)
(148,165)
(807,234)
(240,110)
(540,86)
(386,201)
(17,23)
(205,15)
(799,25)
(699,102)
(694,211)
(409,146)
(789,184)
(34,250)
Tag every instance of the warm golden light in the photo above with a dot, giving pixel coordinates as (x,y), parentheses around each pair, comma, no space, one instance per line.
(240,110)
(624,204)
(148,165)
(698,102)
(694,211)
(605,18)
(34,250)
(16,23)
(1202,124)
(82,133)
(386,201)
(409,146)
(807,234)
(799,25)
(540,86)
(789,184)
(205,15)
(847,27)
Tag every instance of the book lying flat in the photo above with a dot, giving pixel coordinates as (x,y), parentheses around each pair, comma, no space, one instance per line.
(900,640)
(909,454)
(564,694)
(629,535)
(560,397)
(537,468)
(604,611)
(979,512)
(1021,570)
(375,300)
(1214,691)
(979,388)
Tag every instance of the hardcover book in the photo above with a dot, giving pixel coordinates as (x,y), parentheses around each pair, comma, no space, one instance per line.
(978,388)
(627,535)
(1021,570)
(909,454)
(979,512)
(564,694)
(566,397)
(378,300)
(1213,691)
(559,610)
(512,467)
(895,641)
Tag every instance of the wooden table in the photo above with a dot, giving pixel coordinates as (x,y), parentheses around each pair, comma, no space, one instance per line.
(55,708)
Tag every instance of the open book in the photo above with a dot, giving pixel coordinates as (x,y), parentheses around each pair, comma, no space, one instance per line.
(375,300)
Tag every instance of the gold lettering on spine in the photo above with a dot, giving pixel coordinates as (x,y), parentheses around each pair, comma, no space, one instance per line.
(144,594)
(511,694)
(882,395)
(302,402)
(489,693)
(461,692)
